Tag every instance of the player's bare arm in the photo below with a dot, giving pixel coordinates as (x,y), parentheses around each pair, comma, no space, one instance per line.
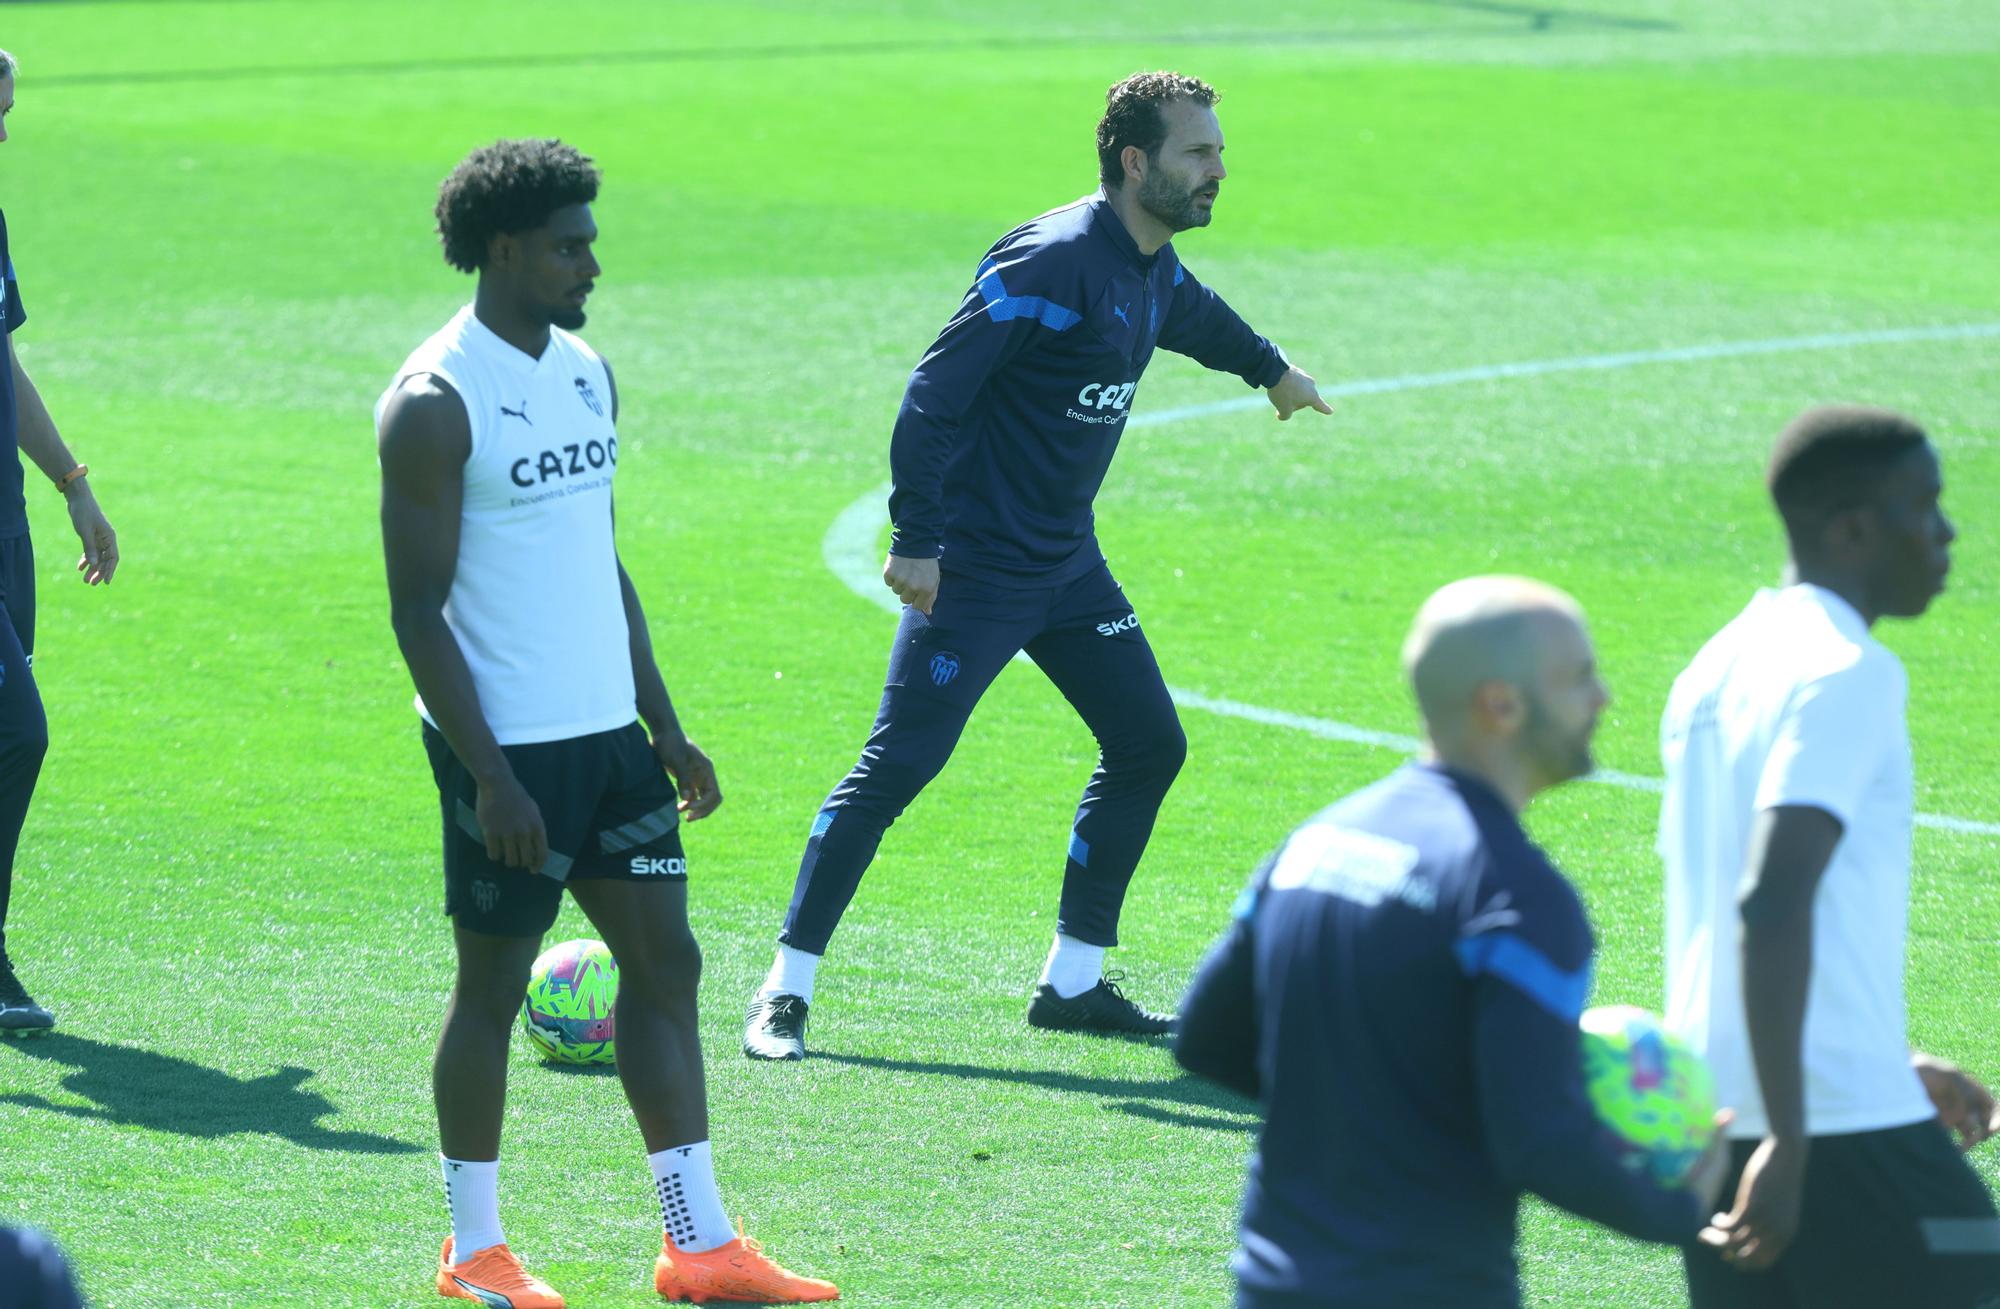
(42,443)
(424,445)
(1789,851)
(693,774)
(1294,391)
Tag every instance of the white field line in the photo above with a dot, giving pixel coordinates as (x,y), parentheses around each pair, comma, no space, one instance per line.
(849,547)
(1589,364)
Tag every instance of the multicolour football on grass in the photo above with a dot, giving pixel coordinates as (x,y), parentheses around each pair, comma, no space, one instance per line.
(567,1014)
(1650,1089)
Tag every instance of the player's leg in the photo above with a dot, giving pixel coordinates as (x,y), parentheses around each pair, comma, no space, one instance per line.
(631,880)
(469,1085)
(939,666)
(659,970)
(24,740)
(1096,654)
(469,1067)
(498,917)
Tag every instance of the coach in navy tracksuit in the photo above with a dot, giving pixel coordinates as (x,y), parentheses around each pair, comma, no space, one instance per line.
(1401,989)
(1005,433)
(24,731)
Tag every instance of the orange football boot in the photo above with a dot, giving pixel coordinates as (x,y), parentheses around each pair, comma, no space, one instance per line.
(493,1276)
(739,1271)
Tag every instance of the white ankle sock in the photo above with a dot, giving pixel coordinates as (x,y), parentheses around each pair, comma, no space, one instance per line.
(1073,967)
(473,1192)
(791,974)
(690,1206)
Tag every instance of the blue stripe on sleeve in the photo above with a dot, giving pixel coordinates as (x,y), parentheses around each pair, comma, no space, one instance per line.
(1180,274)
(822,821)
(1004,307)
(1514,960)
(1079,850)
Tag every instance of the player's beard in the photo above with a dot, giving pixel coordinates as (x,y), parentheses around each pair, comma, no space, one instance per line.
(569,320)
(1562,754)
(1171,200)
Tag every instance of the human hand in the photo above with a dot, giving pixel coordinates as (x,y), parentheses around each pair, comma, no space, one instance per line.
(915,581)
(1758,1230)
(100,543)
(1964,1106)
(693,774)
(1295,391)
(512,823)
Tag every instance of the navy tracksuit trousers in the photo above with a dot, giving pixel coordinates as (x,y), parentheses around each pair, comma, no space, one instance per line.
(24,729)
(1085,637)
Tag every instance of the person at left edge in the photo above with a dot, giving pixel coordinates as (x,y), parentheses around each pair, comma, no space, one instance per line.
(24,727)
(1007,429)
(33,1273)
(534,671)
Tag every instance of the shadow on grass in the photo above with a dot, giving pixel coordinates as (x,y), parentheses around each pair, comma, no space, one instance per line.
(138,1087)
(1157,1099)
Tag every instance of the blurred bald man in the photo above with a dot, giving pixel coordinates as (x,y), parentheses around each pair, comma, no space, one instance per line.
(1401,988)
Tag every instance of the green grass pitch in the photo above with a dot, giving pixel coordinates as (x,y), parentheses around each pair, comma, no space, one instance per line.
(228,886)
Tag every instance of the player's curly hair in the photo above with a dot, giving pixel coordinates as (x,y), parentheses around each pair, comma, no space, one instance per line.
(1832,458)
(509,186)
(1132,117)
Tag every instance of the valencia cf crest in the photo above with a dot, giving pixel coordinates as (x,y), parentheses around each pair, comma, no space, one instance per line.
(589,395)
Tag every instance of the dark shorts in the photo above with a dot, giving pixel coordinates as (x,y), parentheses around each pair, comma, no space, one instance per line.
(610,810)
(1893,1219)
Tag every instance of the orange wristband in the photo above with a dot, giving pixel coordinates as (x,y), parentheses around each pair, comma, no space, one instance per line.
(81,470)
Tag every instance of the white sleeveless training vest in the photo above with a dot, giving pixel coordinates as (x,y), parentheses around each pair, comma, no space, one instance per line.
(535,602)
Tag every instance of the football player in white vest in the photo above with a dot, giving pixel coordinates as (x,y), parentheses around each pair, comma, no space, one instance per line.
(534,672)
(1786,832)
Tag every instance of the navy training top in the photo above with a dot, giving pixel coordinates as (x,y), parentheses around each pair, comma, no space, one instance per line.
(13,503)
(1011,418)
(33,1274)
(1401,988)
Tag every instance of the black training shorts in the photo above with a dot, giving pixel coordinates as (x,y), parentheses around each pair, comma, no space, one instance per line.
(1893,1219)
(609,808)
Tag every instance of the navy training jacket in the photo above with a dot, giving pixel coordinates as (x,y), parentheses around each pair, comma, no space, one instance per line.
(1401,989)
(1011,419)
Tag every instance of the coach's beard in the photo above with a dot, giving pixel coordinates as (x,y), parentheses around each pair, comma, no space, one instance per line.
(1161,196)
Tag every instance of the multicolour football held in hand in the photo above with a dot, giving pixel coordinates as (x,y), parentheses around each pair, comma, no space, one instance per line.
(1650,1089)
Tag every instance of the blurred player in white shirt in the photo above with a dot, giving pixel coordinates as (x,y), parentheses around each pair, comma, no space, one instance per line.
(1786,833)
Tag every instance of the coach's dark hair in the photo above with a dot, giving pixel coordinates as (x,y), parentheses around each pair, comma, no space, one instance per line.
(509,186)
(1132,117)
(1833,458)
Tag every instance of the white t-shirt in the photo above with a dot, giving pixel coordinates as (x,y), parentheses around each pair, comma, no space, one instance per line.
(535,602)
(1794,703)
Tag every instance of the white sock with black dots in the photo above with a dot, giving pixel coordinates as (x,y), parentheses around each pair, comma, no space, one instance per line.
(472,1190)
(791,974)
(1074,966)
(690,1206)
